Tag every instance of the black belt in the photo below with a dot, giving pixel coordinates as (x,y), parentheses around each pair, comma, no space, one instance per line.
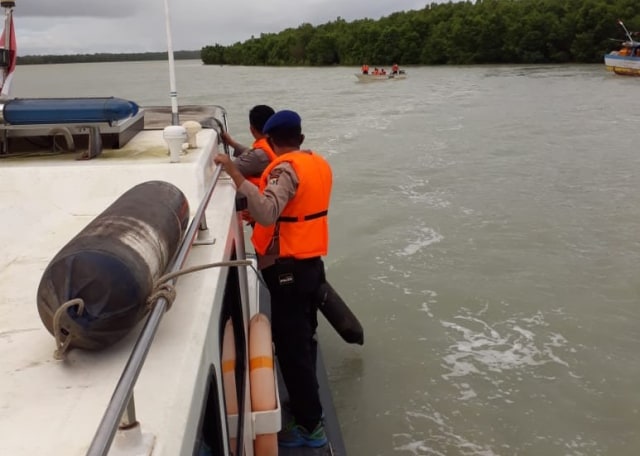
(304,218)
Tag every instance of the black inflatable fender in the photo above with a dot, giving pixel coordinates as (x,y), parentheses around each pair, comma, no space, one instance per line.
(111,265)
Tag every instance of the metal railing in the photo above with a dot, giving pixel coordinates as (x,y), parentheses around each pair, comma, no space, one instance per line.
(122,398)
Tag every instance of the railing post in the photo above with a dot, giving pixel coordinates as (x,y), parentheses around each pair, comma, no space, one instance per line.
(128,419)
(203,223)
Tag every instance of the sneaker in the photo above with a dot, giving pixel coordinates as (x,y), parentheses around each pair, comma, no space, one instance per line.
(290,436)
(293,435)
(316,438)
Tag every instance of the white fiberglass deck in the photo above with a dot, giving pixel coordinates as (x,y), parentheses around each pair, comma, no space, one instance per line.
(54,407)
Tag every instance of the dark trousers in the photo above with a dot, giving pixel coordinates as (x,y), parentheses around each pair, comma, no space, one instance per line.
(293,284)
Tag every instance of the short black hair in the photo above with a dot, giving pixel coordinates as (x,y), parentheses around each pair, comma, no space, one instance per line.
(287,136)
(259,115)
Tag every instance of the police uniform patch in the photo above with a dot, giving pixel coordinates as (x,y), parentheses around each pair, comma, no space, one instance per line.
(274,176)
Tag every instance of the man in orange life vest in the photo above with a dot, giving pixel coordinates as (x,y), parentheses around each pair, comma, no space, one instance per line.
(251,162)
(291,234)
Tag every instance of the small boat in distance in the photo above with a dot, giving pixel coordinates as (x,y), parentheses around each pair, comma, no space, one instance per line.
(381,77)
(626,60)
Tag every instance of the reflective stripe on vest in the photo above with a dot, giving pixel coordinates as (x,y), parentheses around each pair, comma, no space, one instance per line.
(303,218)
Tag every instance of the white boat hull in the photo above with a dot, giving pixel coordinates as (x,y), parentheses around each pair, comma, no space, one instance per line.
(380,77)
(624,65)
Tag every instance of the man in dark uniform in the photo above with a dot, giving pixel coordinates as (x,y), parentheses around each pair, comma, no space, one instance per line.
(290,236)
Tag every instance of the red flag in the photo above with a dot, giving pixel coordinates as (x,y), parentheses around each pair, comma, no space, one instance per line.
(7,74)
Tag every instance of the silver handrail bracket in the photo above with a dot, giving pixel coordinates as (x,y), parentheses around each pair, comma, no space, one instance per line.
(132,442)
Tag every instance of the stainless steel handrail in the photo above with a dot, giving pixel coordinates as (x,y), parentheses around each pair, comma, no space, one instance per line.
(123,392)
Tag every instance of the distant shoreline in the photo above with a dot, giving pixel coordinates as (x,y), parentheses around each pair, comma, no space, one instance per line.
(104,57)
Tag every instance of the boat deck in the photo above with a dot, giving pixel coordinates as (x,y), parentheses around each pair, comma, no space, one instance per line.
(54,407)
(45,201)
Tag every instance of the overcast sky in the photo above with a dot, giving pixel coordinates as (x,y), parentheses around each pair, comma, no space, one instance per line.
(88,26)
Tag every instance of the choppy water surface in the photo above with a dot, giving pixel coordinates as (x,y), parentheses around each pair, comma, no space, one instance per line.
(484,228)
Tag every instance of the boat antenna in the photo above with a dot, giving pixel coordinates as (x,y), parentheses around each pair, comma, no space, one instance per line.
(173,94)
(625,30)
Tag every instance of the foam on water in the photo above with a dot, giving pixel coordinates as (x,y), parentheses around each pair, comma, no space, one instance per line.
(484,349)
(429,432)
(425,236)
(417,190)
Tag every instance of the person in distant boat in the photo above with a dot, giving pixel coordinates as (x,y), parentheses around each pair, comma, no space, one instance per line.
(394,69)
(382,71)
(365,69)
(376,71)
(251,162)
(290,236)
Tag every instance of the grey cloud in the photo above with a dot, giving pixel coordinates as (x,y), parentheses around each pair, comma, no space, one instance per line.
(77,8)
(88,26)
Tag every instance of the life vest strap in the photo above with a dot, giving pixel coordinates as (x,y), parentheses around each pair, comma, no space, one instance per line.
(303,218)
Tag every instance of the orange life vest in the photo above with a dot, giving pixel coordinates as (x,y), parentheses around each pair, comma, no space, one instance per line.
(303,228)
(263,144)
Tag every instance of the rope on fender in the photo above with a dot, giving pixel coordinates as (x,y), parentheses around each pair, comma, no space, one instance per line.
(163,288)
(62,344)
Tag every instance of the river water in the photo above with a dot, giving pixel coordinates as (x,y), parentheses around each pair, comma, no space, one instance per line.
(484,229)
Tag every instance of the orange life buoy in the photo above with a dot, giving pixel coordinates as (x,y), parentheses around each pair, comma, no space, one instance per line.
(262,380)
(229,377)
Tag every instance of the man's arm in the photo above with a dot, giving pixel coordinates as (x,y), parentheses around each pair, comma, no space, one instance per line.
(252,162)
(265,208)
(238,149)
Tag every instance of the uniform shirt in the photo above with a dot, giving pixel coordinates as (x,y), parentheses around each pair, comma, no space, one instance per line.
(250,162)
(265,208)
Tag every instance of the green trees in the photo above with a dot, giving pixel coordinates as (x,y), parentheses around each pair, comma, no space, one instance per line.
(484,31)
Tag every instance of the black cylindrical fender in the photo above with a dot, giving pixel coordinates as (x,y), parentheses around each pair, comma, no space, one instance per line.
(111,265)
(339,315)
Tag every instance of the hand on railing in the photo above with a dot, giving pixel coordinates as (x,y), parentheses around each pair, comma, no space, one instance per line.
(227,164)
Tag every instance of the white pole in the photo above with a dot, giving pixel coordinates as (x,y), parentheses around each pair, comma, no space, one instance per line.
(173,94)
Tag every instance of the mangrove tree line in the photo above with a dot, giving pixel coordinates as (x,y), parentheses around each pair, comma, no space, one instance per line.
(484,31)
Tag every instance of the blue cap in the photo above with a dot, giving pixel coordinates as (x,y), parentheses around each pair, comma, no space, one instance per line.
(282,119)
